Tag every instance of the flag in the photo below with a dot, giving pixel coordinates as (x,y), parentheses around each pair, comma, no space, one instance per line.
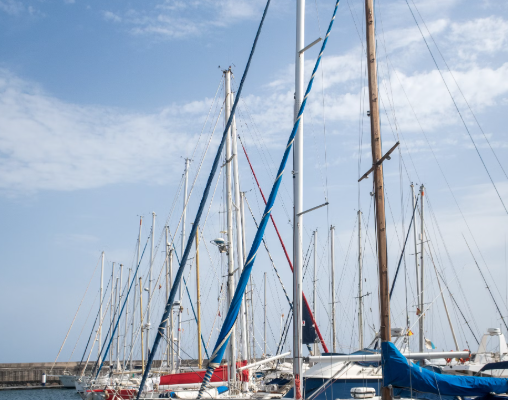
(409,333)
(418,312)
(429,344)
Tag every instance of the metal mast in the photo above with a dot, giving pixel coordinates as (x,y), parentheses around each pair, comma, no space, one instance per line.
(265,316)
(416,243)
(125,322)
(142,325)
(378,190)
(183,233)
(100,304)
(333,288)
(422,240)
(119,311)
(168,352)
(200,354)
(360,288)
(316,348)
(149,290)
(240,253)
(112,309)
(134,294)
(231,354)
(250,285)
(298,203)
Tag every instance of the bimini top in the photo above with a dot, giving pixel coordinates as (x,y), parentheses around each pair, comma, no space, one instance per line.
(399,372)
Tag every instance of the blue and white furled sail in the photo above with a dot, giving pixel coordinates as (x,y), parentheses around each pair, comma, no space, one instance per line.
(406,377)
(233,312)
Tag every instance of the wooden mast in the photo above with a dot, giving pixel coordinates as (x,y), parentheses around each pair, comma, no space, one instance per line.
(382,258)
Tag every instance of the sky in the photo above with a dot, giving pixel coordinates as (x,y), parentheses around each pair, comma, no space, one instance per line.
(100,102)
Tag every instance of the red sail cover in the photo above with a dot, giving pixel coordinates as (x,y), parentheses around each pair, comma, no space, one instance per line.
(220,375)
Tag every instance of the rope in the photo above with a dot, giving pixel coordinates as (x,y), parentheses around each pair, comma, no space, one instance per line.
(457,109)
(75,316)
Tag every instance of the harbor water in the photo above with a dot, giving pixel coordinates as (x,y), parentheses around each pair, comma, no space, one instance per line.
(40,394)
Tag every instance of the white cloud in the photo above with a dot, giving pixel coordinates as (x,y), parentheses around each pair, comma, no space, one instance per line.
(46,144)
(179,19)
(482,35)
(12,7)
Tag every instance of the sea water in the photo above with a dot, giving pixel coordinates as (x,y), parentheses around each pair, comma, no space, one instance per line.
(40,394)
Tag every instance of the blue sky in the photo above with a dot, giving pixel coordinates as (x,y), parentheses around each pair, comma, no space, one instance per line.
(99,102)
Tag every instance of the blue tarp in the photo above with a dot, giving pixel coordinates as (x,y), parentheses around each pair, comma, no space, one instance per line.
(399,372)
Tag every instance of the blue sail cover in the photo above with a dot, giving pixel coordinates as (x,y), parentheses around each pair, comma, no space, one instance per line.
(399,372)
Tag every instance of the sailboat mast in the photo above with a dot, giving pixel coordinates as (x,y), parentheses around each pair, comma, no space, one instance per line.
(199,353)
(249,322)
(298,203)
(378,190)
(149,290)
(100,304)
(183,233)
(125,320)
(416,244)
(134,293)
(142,325)
(238,226)
(360,288)
(119,312)
(421,320)
(314,284)
(112,309)
(265,316)
(229,229)
(333,288)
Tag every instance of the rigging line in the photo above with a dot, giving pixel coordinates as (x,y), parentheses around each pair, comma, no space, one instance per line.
(486,283)
(441,171)
(270,257)
(403,249)
(458,86)
(283,246)
(459,309)
(84,325)
(467,303)
(457,108)
(94,323)
(190,299)
(195,178)
(75,316)
(263,150)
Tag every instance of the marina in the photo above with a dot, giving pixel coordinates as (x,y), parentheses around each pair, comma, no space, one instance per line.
(324,256)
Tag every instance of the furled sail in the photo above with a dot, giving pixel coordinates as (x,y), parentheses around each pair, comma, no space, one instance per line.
(400,372)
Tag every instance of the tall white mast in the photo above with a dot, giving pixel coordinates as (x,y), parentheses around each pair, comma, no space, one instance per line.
(249,285)
(240,254)
(183,233)
(314,285)
(229,229)
(422,240)
(100,305)
(125,320)
(360,294)
(416,244)
(333,288)
(149,289)
(119,311)
(298,203)
(112,309)
(134,294)
(265,315)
